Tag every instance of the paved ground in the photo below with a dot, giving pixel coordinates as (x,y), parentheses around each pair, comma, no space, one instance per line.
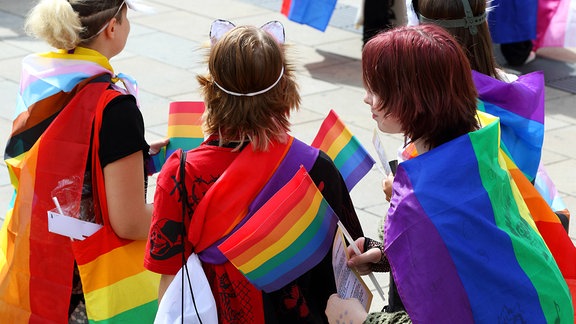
(166,50)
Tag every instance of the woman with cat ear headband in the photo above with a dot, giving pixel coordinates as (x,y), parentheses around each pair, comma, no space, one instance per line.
(250,92)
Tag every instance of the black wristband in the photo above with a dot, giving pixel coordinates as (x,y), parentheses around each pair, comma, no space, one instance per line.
(383,265)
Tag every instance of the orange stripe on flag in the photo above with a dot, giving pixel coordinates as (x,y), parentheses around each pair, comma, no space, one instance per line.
(185,119)
(276,230)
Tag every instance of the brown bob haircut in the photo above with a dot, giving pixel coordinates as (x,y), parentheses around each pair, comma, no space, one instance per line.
(423,78)
(477,47)
(247,59)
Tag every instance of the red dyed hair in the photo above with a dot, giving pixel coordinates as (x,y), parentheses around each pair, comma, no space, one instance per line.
(423,78)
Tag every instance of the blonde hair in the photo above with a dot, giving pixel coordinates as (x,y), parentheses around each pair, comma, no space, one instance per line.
(247,59)
(66,24)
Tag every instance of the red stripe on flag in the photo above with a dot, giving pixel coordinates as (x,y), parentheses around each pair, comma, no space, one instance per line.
(330,129)
(178,107)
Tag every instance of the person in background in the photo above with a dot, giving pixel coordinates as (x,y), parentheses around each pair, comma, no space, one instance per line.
(433,244)
(249,93)
(77,147)
(512,24)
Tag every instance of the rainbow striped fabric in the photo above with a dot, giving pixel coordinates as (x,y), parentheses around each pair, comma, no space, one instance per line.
(116,296)
(520,107)
(184,131)
(286,237)
(350,157)
(556,24)
(461,241)
(56,115)
(314,13)
(185,125)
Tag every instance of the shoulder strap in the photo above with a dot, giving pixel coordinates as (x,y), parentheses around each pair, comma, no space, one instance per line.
(185,211)
(98,186)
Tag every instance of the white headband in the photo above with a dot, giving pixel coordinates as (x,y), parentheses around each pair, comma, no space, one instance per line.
(251,94)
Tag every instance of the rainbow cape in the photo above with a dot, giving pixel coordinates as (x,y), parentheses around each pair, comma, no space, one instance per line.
(314,13)
(520,107)
(56,112)
(286,237)
(462,243)
(556,24)
(350,157)
(184,131)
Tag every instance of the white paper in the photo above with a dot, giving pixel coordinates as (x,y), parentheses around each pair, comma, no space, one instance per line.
(381,153)
(70,226)
(349,283)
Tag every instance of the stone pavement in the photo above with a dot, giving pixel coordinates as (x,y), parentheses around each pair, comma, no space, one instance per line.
(166,50)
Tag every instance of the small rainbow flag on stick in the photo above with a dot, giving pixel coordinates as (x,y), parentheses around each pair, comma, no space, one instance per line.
(184,130)
(286,237)
(350,157)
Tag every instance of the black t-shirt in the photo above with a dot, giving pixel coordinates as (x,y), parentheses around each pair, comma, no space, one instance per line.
(122,131)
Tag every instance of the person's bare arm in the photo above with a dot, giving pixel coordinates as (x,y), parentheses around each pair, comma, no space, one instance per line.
(165,281)
(129,214)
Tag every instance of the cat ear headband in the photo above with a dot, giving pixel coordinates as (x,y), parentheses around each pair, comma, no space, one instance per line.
(470,21)
(220,27)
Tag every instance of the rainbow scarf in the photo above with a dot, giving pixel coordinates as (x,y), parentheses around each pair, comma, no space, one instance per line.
(556,24)
(349,156)
(461,243)
(277,166)
(58,107)
(285,238)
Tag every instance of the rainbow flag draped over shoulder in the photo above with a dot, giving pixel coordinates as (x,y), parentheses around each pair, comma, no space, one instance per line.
(350,157)
(314,13)
(286,237)
(58,100)
(184,131)
(461,241)
(556,24)
(520,107)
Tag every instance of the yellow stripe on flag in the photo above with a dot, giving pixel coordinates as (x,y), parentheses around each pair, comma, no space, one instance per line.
(95,281)
(185,131)
(122,296)
(280,245)
(338,144)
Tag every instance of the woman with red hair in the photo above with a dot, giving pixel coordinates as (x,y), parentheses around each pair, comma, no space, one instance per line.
(454,220)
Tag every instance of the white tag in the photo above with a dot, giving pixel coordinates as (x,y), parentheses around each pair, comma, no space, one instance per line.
(70,226)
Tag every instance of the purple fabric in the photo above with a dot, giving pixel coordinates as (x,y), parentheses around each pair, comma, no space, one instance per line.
(434,261)
(524,97)
(298,154)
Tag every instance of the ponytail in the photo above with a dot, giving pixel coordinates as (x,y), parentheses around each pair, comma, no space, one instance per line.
(55,22)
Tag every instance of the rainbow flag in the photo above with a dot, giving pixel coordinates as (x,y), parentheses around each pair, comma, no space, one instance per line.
(520,107)
(469,252)
(556,25)
(286,237)
(184,130)
(57,112)
(350,157)
(116,296)
(314,13)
